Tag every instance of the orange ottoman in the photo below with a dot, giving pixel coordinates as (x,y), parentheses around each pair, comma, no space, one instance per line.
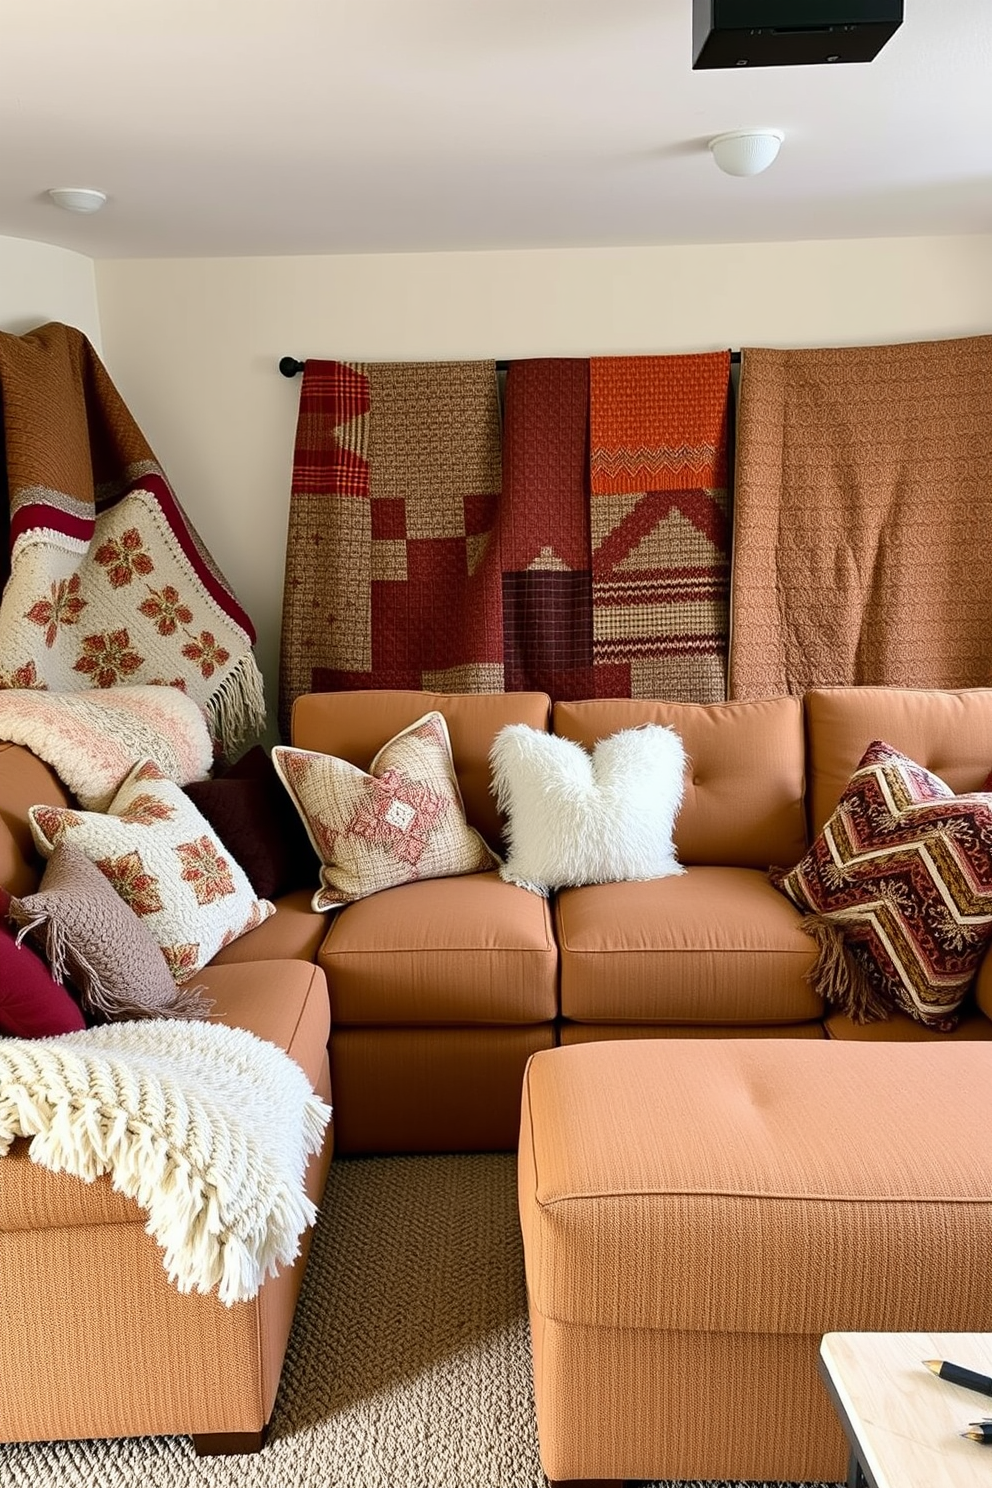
(696,1214)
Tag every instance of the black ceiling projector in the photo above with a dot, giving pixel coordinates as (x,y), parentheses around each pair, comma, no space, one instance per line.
(790,33)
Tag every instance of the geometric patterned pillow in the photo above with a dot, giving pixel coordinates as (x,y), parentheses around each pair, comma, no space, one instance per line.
(165,861)
(403,820)
(898,887)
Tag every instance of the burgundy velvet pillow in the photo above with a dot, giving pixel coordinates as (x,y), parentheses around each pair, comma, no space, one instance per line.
(253,816)
(32,1003)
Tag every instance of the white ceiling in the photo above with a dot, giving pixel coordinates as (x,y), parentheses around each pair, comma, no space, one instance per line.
(247,127)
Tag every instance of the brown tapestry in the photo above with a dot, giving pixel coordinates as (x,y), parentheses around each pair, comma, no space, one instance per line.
(861,513)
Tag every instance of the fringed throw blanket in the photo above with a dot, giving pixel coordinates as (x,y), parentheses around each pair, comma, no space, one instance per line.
(92,739)
(392,579)
(861,516)
(108,581)
(659,521)
(206,1127)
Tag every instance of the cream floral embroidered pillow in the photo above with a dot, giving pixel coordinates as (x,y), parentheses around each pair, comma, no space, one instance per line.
(165,861)
(402,820)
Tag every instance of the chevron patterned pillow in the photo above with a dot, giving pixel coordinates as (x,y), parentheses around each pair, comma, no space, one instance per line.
(897,892)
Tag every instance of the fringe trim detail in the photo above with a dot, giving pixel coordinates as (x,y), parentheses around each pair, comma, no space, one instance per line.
(68,966)
(838,975)
(225,1216)
(236,711)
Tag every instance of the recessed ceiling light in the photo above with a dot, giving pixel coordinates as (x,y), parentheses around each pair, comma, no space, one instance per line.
(78,198)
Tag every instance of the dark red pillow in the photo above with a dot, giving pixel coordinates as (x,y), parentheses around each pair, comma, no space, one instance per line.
(32,1003)
(252,814)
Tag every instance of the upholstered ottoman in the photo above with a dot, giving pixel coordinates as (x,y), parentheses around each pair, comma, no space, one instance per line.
(696,1214)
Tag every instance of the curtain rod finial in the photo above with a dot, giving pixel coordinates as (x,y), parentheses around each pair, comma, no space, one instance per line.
(289,366)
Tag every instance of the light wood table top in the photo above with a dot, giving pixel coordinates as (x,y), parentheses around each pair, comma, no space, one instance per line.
(903,1422)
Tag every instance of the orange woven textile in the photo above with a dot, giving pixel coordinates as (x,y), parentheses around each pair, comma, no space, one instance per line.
(659,523)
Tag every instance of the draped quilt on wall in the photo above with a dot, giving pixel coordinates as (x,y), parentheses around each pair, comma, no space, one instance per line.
(430,548)
(107,582)
(861,513)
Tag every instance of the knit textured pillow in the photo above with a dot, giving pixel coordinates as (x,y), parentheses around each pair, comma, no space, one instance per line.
(897,890)
(165,860)
(94,941)
(401,821)
(580,818)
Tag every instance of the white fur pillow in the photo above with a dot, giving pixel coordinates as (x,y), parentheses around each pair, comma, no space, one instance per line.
(575,818)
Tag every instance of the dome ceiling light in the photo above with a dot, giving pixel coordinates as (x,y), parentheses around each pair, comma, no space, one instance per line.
(746,152)
(78,198)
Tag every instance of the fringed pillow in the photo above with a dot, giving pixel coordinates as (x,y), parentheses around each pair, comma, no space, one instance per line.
(897,893)
(402,820)
(579,818)
(94,941)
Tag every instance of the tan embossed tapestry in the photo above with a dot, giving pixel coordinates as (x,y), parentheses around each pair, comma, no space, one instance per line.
(861,516)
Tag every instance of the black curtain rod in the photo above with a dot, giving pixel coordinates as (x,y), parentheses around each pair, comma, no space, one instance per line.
(289,366)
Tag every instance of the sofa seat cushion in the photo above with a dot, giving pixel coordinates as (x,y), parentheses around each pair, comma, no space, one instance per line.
(450,951)
(24,782)
(716,945)
(293,933)
(284,1002)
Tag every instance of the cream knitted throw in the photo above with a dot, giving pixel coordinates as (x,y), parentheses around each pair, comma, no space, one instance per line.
(206,1127)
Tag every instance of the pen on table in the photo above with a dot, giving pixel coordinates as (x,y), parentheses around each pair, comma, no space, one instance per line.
(981,1431)
(956,1374)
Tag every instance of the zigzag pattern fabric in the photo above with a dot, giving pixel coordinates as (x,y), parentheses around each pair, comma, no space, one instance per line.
(658,461)
(899,888)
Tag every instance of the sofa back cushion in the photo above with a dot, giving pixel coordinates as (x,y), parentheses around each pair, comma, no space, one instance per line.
(947,732)
(355,725)
(743,801)
(24,782)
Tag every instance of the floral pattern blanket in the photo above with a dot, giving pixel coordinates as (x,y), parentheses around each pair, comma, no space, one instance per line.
(108,583)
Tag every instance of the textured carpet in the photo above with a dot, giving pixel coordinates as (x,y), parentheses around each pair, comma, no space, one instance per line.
(409,1361)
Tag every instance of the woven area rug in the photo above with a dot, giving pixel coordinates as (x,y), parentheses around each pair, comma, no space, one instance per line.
(409,1361)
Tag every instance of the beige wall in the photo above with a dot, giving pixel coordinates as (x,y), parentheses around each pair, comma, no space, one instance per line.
(193,345)
(39,283)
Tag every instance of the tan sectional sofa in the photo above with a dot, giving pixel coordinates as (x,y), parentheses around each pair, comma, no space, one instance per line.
(94,1339)
(439,992)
